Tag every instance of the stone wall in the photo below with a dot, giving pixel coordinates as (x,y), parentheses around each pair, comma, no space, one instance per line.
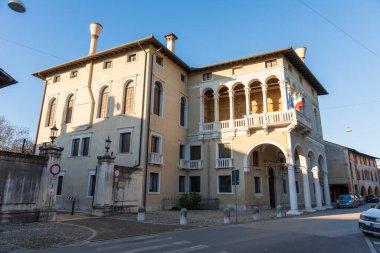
(20,176)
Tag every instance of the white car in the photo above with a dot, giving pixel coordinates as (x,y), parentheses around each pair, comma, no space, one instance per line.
(369,221)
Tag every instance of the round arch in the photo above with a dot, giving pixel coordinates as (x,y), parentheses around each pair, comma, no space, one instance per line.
(252,148)
(377,192)
(363,191)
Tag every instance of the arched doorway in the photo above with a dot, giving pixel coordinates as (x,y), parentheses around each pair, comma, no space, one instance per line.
(377,193)
(370,192)
(272,196)
(363,191)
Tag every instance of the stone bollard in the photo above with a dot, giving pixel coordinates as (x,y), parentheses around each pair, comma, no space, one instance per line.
(279,211)
(141,214)
(256,213)
(183,216)
(227,215)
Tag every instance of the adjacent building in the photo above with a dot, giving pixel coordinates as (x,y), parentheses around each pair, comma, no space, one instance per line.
(351,172)
(178,129)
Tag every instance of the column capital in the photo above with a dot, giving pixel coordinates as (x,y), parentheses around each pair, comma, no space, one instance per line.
(216,96)
(231,93)
(315,171)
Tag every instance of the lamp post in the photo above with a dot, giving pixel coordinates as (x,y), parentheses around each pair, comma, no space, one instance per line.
(53,133)
(16,5)
(107,144)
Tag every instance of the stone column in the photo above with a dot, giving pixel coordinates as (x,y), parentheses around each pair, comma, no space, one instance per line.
(103,201)
(265,105)
(232,111)
(48,186)
(216,111)
(327,189)
(201,113)
(292,192)
(317,185)
(306,190)
(284,96)
(247,101)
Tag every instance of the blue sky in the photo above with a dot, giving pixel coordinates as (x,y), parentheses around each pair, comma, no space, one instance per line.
(343,48)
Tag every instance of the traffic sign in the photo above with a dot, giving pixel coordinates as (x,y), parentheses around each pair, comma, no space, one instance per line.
(116,173)
(235,177)
(55,169)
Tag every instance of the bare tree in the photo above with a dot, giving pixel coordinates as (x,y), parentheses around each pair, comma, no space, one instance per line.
(12,137)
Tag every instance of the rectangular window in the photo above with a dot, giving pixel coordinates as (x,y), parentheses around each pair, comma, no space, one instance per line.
(131,58)
(74,74)
(225,184)
(153,182)
(183,78)
(91,185)
(107,65)
(59,185)
(207,76)
(85,146)
(271,64)
(195,152)
(224,150)
(159,60)
(182,184)
(257,185)
(155,144)
(56,79)
(290,68)
(75,147)
(195,184)
(297,188)
(181,151)
(125,142)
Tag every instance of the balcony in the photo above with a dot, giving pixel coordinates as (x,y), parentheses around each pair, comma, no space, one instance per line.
(223,163)
(190,164)
(257,121)
(155,158)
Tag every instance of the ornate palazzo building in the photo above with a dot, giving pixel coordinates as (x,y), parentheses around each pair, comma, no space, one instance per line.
(177,129)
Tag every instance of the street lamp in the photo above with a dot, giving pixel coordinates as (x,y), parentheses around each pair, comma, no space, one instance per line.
(16,5)
(108,144)
(53,133)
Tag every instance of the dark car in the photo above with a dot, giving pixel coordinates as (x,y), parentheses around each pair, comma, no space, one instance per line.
(371,199)
(347,200)
(361,200)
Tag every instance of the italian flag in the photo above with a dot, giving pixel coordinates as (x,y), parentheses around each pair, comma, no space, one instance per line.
(298,102)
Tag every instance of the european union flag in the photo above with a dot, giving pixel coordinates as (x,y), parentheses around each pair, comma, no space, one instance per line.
(290,101)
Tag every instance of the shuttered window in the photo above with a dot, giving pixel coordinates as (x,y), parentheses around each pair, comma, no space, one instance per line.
(129,99)
(69,108)
(157,97)
(224,150)
(195,152)
(51,112)
(103,102)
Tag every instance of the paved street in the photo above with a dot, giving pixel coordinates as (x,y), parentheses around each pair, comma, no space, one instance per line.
(331,231)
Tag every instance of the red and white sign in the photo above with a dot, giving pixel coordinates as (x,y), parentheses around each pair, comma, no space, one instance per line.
(55,169)
(117,173)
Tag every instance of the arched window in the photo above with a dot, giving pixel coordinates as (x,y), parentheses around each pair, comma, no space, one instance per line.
(51,112)
(183,112)
(69,108)
(157,99)
(129,98)
(103,102)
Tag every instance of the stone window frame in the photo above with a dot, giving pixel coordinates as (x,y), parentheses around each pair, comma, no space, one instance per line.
(218,184)
(91,173)
(158,185)
(80,151)
(122,131)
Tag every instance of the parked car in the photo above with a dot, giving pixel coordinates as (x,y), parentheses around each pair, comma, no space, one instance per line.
(346,200)
(369,221)
(371,199)
(361,200)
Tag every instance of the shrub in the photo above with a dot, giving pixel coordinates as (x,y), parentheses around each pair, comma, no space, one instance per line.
(190,201)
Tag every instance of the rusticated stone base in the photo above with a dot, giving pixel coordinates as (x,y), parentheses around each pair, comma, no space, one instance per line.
(102,211)
(18,216)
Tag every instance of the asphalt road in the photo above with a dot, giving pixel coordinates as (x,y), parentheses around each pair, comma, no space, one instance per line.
(331,231)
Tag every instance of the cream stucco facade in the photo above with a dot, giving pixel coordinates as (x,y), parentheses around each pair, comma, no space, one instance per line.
(176,129)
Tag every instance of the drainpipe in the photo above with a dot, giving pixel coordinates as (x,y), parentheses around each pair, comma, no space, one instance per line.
(142,107)
(148,126)
(89,84)
(39,121)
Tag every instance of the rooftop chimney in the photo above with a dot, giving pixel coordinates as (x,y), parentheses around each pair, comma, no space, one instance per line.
(301,52)
(170,41)
(95,30)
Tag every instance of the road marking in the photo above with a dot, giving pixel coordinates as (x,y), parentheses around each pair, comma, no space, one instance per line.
(128,239)
(373,250)
(156,247)
(122,244)
(194,248)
